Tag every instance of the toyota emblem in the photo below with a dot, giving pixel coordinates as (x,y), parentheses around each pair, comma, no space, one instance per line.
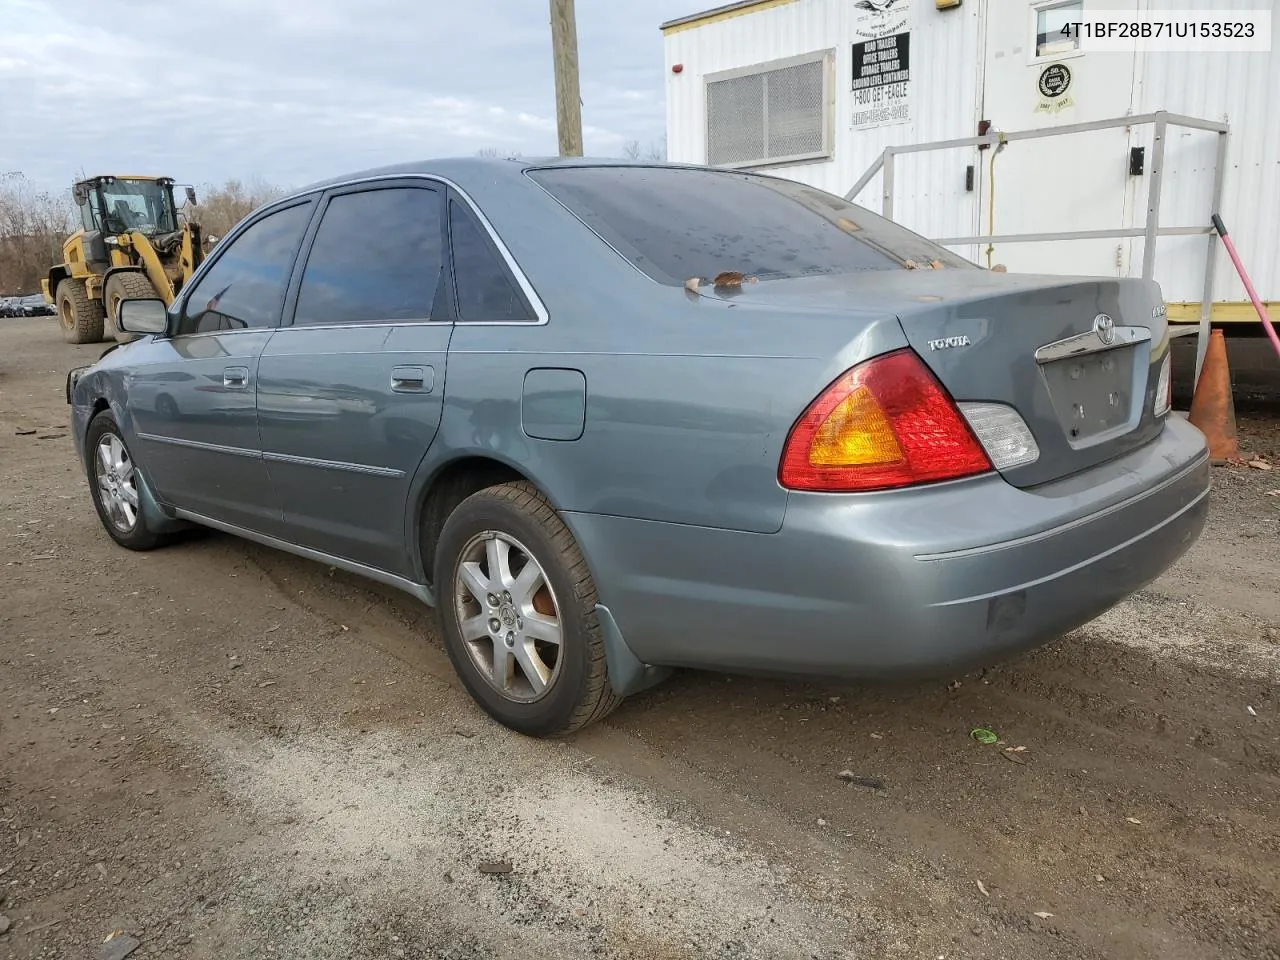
(1105,328)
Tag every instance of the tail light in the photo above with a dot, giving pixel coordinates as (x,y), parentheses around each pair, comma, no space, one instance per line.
(886,423)
(1003,433)
(1164,387)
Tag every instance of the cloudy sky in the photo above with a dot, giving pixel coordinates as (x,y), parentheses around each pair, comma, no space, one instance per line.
(291,91)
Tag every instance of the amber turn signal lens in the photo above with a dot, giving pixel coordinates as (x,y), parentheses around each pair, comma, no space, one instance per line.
(855,433)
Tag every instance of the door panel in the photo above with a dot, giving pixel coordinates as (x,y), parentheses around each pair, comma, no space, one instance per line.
(199,426)
(350,394)
(341,442)
(195,408)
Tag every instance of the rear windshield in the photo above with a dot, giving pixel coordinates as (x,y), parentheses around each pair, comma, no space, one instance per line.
(675,223)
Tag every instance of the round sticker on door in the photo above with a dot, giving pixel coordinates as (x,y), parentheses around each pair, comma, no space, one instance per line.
(1055,80)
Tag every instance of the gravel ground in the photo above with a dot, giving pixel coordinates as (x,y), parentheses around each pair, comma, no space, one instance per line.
(227,752)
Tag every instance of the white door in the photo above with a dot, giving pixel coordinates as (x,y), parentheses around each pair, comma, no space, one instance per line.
(1035,78)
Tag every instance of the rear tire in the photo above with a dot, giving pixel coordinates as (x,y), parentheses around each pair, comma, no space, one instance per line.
(80,317)
(124,286)
(115,486)
(525,641)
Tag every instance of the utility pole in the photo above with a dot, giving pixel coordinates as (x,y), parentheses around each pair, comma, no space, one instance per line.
(564,44)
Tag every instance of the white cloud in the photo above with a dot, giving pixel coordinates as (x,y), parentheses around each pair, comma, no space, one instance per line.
(292,92)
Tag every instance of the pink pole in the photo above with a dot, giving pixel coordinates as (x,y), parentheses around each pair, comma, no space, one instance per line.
(1248,286)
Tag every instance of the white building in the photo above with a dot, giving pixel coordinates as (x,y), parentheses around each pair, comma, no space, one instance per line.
(816,90)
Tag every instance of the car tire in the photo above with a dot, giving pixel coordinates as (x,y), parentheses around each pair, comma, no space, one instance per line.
(80,317)
(559,597)
(129,285)
(113,483)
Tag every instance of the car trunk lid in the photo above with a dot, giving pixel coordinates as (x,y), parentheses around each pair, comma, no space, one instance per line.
(1078,358)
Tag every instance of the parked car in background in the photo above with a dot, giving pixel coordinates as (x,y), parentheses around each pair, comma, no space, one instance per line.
(613,419)
(35,306)
(32,306)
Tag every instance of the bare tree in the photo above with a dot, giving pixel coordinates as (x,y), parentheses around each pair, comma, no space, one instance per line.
(655,153)
(33,225)
(221,208)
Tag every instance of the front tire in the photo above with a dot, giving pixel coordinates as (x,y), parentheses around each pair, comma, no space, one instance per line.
(80,317)
(115,486)
(517,604)
(125,286)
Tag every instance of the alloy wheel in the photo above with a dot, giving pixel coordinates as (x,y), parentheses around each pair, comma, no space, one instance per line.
(508,616)
(117,482)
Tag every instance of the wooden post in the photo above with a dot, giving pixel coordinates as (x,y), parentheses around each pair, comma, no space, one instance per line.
(564,43)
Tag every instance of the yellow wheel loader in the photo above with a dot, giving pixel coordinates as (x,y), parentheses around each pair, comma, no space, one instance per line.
(130,245)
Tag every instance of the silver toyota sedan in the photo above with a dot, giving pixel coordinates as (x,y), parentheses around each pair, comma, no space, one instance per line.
(612,419)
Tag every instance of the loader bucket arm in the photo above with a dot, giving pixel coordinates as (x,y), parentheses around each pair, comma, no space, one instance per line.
(191,254)
(152,266)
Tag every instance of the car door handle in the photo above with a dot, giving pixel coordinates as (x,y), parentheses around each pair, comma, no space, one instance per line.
(413,379)
(235,376)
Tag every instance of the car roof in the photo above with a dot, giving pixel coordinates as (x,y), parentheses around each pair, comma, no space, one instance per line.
(466,171)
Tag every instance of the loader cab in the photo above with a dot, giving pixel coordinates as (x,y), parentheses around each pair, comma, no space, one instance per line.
(116,205)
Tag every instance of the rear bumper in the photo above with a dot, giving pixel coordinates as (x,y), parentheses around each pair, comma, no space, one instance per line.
(909,583)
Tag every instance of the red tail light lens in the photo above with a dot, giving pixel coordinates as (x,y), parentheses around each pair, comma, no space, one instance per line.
(886,423)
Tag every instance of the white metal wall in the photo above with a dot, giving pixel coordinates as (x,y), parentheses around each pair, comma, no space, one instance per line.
(930,195)
(946,81)
(1243,90)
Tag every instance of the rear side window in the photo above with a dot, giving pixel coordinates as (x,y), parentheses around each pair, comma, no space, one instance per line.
(486,291)
(244,287)
(377,255)
(674,224)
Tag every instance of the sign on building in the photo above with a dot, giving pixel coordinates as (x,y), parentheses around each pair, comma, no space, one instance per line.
(881,63)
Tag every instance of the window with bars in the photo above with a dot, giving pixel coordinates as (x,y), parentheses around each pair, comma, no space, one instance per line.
(771,113)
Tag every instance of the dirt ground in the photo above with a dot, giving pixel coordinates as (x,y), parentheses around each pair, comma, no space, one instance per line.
(229,753)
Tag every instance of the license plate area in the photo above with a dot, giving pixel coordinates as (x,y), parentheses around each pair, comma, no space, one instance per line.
(1093,394)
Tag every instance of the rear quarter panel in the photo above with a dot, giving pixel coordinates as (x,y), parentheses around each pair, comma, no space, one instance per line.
(672,435)
(689,398)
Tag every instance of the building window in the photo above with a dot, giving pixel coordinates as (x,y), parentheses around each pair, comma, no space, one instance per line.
(771,113)
(1050,19)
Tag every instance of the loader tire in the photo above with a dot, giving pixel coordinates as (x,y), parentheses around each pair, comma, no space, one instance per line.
(80,318)
(125,286)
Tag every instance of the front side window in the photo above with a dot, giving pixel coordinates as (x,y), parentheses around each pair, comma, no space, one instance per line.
(485,290)
(674,224)
(142,205)
(1051,41)
(244,288)
(377,256)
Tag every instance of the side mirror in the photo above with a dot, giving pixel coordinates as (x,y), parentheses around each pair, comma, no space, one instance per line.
(142,316)
(191,195)
(81,194)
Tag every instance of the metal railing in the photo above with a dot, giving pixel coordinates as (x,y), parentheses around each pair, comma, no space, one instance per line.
(1149,231)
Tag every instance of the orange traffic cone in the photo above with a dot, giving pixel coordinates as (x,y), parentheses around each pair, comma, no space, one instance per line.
(1213,411)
